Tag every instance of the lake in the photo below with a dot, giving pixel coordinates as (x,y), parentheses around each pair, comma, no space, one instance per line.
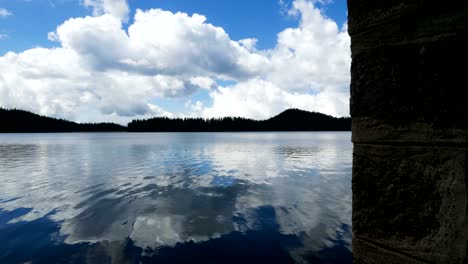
(176,198)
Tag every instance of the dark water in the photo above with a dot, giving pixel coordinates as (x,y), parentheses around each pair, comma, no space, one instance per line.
(175,198)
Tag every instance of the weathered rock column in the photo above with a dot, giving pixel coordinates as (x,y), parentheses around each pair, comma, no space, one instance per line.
(410,120)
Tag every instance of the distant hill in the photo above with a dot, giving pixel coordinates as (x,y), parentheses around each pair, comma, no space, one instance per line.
(289,120)
(19,121)
(300,120)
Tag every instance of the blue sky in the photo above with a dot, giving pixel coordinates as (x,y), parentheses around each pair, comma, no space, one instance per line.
(25,25)
(263,19)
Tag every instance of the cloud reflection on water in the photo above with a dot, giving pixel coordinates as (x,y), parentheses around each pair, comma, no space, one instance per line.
(158,191)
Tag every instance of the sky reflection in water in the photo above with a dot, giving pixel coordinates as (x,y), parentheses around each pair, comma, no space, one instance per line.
(175,198)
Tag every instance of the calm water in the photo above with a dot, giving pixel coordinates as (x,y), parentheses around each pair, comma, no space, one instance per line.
(175,198)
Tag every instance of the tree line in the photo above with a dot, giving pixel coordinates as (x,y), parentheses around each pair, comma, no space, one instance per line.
(289,120)
(18,121)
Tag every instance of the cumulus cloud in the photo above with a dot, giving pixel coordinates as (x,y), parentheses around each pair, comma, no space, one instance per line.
(315,56)
(4,13)
(260,99)
(117,8)
(308,69)
(203,82)
(100,71)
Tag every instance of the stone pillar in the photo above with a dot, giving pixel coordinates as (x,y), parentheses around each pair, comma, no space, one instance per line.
(410,119)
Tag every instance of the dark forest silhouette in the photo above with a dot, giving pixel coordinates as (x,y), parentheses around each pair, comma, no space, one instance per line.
(20,121)
(289,120)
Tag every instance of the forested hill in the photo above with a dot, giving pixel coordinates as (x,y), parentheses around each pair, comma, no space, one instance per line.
(289,120)
(19,121)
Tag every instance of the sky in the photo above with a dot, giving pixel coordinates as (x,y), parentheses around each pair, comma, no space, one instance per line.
(118,60)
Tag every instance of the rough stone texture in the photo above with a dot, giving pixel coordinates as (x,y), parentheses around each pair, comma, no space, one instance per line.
(411,199)
(368,130)
(410,130)
(423,82)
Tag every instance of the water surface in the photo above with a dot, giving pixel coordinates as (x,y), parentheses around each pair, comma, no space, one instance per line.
(175,198)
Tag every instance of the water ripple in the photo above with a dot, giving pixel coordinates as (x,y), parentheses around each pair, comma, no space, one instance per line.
(141,197)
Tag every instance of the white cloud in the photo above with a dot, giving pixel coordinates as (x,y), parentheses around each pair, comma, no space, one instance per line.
(102,72)
(249,44)
(315,56)
(308,69)
(203,82)
(3,36)
(117,8)
(261,99)
(196,107)
(4,13)
(179,43)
